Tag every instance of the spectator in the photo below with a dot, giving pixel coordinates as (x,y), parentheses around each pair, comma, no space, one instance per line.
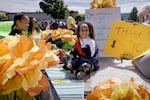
(71,23)
(21,23)
(34,30)
(143,63)
(55,25)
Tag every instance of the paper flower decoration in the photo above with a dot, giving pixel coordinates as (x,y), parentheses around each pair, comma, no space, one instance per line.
(116,89)
(102,4)
(21,62)
(63,34)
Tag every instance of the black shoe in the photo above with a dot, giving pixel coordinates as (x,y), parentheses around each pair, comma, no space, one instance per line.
(81,75)
(65,67)
(64,60)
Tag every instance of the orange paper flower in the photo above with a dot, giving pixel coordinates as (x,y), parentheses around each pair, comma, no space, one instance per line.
(21,62)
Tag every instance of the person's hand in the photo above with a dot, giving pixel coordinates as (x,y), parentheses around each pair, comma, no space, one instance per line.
(69,65)
(127,56)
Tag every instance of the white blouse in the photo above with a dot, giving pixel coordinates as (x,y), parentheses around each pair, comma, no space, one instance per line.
(88,41)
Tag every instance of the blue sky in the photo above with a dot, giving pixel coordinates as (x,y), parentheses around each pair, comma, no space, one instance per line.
(78,5)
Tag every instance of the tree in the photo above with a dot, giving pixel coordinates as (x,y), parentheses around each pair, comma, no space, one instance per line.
(55,8)
(133,15)
(79,17)
(3,16)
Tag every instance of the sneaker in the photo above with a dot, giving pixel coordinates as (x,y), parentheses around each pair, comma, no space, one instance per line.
(81,75)
(87,67)
(64,60)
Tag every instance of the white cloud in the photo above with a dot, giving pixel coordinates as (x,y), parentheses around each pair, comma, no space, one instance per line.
(19,5)
(79,9)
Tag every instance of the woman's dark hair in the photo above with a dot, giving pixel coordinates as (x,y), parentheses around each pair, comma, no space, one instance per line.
(18,16)
(91,30)
(30,28)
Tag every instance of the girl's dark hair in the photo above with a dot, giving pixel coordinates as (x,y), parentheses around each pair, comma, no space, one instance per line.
(30,28)
(18,16)
(91,30)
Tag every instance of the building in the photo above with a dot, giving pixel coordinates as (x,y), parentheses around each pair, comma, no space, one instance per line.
(125,16)
(44,19)
(40,16)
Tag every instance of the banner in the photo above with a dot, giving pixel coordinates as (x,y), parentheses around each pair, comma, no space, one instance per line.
(5,27)
(127,40)
(101,19)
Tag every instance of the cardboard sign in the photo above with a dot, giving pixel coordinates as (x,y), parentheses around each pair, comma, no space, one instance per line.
(127,40)
(101,19)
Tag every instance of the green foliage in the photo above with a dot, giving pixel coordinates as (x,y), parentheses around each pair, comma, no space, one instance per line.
(3,16)
(16,95)
(133,15)
(55,8)
(80,17)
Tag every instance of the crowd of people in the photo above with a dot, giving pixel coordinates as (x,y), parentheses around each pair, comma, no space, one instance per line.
(84,52)
(53,24)
(85,48)
(83,57)
(70,23)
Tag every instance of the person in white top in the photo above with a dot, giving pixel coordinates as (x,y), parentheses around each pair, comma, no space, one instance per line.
(84,55)
(34,30)
(143,63)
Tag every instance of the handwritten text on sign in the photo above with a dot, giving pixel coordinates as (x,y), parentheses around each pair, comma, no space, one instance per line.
(101,19)
(127,40)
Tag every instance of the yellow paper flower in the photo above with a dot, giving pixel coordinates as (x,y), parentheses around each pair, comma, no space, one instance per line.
(102,4)
(64,34)
(116,89)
